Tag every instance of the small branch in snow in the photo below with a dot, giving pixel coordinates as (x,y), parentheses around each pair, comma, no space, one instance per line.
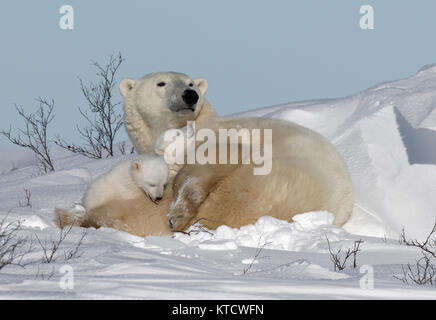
(422,273)
(339,262)
(256,255)
(74,253)
(428,245)
(11,243)
(49,248)
(27,203)
(197,228)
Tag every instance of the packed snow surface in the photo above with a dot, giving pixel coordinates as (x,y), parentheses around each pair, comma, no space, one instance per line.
(386,134)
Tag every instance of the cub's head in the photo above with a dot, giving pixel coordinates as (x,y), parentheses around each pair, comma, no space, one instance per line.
(170,94)
(150,173)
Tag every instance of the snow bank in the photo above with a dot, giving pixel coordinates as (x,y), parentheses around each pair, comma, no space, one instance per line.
(306,233)
(16,158)
(387,136)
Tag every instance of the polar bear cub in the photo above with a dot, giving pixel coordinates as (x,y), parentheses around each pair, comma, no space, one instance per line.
(146,173)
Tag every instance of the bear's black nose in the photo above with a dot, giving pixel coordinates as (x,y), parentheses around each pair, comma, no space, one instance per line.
(190,97)
(158,198)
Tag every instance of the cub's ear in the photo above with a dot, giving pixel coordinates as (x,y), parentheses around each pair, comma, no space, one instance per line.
(159,145)
(201,84)
(126,86)
(190,130)
(136,165)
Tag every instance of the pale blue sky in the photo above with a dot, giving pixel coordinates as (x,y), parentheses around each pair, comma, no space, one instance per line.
(253,53)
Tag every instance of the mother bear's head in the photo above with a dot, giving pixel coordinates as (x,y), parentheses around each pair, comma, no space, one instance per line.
(160,101)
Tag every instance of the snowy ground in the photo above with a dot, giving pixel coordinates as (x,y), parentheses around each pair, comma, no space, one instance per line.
(387,136)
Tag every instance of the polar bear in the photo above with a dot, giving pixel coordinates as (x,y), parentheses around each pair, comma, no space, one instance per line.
(131,185)
(161,101)
(307,174)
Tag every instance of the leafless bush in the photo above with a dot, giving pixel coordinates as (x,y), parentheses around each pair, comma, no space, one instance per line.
(51,247)
(422,273)
(428,245)
(122,148)
(34,135)
(11,243)
(27,202)
(339,260)
(74,253)
(103,120)
(45,276)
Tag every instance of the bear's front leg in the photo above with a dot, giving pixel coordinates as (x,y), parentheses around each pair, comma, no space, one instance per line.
(192,186)
(189,196)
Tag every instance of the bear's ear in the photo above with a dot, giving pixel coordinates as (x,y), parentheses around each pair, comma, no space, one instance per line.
(126,86)
(136,165)
(201,84)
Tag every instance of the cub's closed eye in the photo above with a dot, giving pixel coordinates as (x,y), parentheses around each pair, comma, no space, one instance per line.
(161,84)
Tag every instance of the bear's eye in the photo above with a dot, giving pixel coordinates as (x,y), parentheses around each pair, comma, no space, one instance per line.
(161,84)
(152,185)
(191,84)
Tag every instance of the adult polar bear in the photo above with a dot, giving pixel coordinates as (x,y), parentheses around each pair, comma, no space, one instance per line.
(308,174)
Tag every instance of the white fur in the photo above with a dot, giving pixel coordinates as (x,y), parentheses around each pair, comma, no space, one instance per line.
(146,111)
(172,145)
(146,173)
(307,175)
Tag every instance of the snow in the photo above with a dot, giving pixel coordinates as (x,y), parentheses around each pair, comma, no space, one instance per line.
(307,232)
(386,134)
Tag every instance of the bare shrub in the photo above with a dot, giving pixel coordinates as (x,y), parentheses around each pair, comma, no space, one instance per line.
(45,276)
(74,252)
(11,243)
(27,202)
(34,135)
(122,148)
(103,120)
(51,247)
(340,258)
(428,245)
(423,272)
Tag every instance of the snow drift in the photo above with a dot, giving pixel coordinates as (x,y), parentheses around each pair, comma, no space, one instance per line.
(387,136)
